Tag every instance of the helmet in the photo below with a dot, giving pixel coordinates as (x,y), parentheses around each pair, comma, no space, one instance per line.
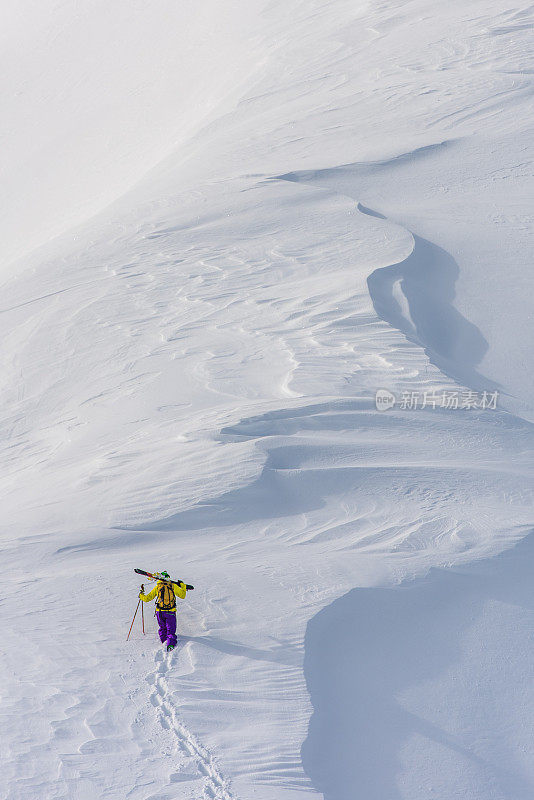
(164,574)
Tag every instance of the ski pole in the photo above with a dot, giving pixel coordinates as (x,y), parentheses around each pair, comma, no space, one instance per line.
(143,610)
(134,616)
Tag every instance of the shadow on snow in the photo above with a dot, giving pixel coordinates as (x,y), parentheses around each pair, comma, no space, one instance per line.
(366,648)
(426,279)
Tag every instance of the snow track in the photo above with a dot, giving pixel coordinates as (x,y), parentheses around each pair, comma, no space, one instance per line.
(215,786)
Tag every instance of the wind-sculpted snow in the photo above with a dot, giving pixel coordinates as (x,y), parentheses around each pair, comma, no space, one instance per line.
(326,199)
(418,685)
(417,295)
(430,295)
(426,282)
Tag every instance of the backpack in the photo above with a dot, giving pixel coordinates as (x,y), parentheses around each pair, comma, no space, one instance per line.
(166,597)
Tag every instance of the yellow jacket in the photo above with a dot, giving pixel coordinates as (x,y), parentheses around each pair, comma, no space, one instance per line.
(178,589)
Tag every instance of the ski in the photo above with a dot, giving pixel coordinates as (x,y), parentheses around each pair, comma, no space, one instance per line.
(157,577)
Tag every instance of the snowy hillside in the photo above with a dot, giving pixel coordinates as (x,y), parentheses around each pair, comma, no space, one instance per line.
(225,227)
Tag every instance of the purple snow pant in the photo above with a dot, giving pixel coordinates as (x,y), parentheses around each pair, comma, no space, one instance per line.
(167,626)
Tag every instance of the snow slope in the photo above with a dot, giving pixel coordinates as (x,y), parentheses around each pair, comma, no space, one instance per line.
(95,95)
(273,212)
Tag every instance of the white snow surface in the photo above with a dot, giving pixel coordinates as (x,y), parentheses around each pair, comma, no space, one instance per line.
(225,226)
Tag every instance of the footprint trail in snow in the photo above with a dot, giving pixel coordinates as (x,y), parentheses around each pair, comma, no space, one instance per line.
(215,786)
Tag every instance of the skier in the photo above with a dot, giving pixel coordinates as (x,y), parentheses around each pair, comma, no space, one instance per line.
(166,591)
